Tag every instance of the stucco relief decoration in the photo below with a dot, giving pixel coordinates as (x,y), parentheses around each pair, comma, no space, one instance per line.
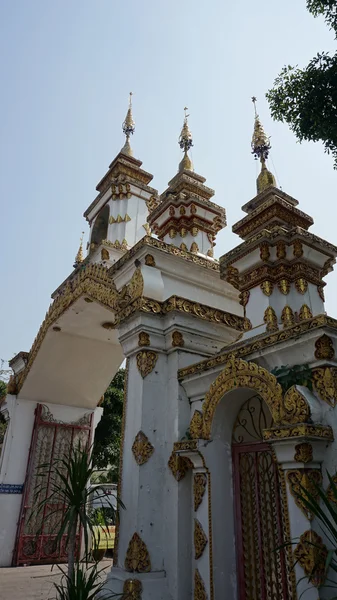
(179,466)
(267,288)
(307,479)
(298,249)
(281,249)
(199,587)
(244,298)
(303,453)
(142,448)
(200,540)
(301,285)
(270,319)
(196,425)
(305,312)
(132,290)
(143,339)
(146,361)
(284,286)
(311,554)
(199,487)
(137,557)
(291,409)
(177,339)
(287,316)
(320,291)
(325,384)
(298,431)
(150,261)
(264,251)
(324,348)
(132,589)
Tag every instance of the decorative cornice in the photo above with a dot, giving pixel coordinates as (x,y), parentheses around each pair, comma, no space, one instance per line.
(258,343)
(303,430)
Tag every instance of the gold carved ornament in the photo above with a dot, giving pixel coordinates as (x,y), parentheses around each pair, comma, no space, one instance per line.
(270,319)
(143,339)
(287,316)
(146,361)
(297,249)
(324,348)
(320,291)
(179,466)
(183,247)
(132,589)
(305,313)
(142,448)
(132,290)
(291,409)
(200,540)
(303,453)
(137,557)
(302,481)
(281,250)
(244,298)
(311,554)
(199,488)
(264,251)
(298,431)
(301,285)
(199,587)
(196,425)
(284,286)
(105,254)
(194,247)
(177,339)
(149,260)
(324,381)
(267,288)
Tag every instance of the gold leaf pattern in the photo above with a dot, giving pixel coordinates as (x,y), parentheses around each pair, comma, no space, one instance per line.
(200,540)
(199,487)
(142,448)
(137,557)
(146,361)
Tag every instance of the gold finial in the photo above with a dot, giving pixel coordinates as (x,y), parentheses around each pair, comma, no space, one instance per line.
(260,148)
(128,127)
(185,143)
(79,256)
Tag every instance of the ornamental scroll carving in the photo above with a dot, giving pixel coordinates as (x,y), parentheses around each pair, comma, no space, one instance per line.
(325,384)
(324,348)
(199,488)
(307,479)
(146,361)
(137,557)
(142,448)
(132,589)
(303,452)
(291,409)
(143,339)
(200,540)
(179,466)
(196,425)
(199,587)
(311,553)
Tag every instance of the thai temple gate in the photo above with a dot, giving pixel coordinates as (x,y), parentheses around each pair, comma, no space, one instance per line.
(213,449)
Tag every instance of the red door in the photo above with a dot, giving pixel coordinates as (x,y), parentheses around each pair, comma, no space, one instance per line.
(37,531)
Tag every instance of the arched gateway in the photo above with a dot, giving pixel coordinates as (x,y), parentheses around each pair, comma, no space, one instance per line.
(206,477)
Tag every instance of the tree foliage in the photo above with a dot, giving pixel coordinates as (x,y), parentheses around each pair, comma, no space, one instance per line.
(106,449)
(306,99)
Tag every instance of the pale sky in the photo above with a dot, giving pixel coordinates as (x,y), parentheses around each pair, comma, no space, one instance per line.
(65,73)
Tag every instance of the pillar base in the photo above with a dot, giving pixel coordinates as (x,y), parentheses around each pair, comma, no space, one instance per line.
(154,584)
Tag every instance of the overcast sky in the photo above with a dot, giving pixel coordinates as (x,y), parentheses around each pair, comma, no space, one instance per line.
(66,70)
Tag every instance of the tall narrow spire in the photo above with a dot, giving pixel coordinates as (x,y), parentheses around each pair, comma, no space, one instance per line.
(128,127)
(260,148)
(185,143)
(79,256)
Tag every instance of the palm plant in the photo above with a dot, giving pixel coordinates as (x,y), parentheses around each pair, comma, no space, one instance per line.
(83,585)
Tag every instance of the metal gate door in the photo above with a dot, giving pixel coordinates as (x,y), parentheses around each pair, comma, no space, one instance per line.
(264,572)
(37,531)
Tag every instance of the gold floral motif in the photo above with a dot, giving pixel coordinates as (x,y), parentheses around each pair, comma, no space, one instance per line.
(121,456)
(244,298)
(303,453)
(194,247)
(301,285)
(264,251)
(199,587)
(105,254)
(142,448)
(238,373)
(177,339)
(330,493)
(320,290)
(182,210)
(325,384)
(189,445)
(146,361)
(281,250)
(152,203)
(210,252)
(137,557)
(132,589)
(308,479)
(305,313)
(304,430)
(284,286)
(267,288)
(194,230)
(149,260)
(143,339)
(183,233)
(172,233)
(297,249)
(183,247)
(132,290)
(200,540)
(178,466)
(324,348)
(287,316)
(270,319)
(311,554)
(193,209)
(196,425)
(199,487)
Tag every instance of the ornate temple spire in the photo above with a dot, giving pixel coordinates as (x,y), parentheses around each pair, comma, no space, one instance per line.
(185,143)
(79,256)
(260,148)
(128,129)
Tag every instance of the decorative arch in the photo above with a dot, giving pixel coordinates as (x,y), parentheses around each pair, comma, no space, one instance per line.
(238,373)
(100,228)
